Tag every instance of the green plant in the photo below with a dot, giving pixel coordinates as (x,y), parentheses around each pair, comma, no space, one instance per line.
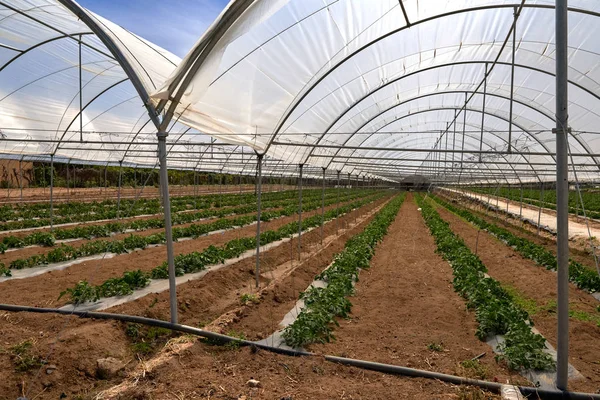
(474,369)
(145,340)
(81,293)
(191,262)
(248,298)
(23,357)
(434,346)
(4,271)
(585,278)
(496,311)
(234,345)
(315,322)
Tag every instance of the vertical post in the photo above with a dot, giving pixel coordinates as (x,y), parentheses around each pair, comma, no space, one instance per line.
(323,206)
(21,176)
(164,186)
(220,188)
(562,193)
(337,210)
(512,80)
(300,213)
(454,138)
(521,203)
(105,172)
(119,189)
(68,183)
(540,210)
(74,180)
(483,109)
(258,213)
(462,153)
(52,192)
(80,96)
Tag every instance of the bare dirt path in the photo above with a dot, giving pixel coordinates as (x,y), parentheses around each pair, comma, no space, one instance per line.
(537,284)
(405,311)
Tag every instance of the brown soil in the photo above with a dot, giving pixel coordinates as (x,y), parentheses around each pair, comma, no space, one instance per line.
(203,300)
(203,372)
(405,304)
(580,245)
(258,320)
(528,232)
(7,257)
(38,195)
(98,339)
(537,283)
(43,290)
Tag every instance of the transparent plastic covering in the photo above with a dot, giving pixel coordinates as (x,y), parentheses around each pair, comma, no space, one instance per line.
(396,88)
(374,88)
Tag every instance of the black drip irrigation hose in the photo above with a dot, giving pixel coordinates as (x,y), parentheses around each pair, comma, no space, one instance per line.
(385,368)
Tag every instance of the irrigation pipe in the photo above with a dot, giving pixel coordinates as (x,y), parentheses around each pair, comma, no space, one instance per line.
(385,368)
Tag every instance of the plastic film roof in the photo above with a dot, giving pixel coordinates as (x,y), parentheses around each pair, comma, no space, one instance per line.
(382,88)
(388,87)
(48,53)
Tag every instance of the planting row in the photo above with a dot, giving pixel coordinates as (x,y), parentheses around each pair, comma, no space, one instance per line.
(322,305)
(48,239)
(66,252)
(84,212)
(199,261)
(591,199)
(495,310)
(582,276)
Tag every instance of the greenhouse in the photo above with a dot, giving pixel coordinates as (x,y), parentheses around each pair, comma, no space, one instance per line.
(182,228)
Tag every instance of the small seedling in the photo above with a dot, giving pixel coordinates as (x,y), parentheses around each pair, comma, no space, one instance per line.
(248,298)
(474,369)
(236,344)
(433,346)
(23,358)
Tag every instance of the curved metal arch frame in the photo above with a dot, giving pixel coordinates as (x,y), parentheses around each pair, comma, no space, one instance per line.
(476,139)
(444,109)
(444,66)
(44,42)
(485,163)
(457,47)
(575,137)
(299,100)
(434,94)
(79,12)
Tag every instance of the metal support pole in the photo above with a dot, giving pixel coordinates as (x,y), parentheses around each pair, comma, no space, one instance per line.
(323,206)
(105,176)
(300,213)
(521,203)
(540,210)
(21,177)
(164,186)
(337,210)
(52,192)
(68,183)
(220,189)
(483,108)
(512,81)
(119,189)
(454,138)
(562,193)
(258,214)
(80,96)
(462,153)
